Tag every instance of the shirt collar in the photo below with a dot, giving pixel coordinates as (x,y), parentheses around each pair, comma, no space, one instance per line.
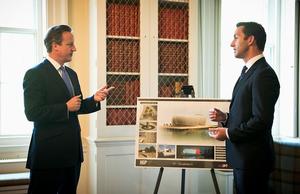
(253,60)
(53,62)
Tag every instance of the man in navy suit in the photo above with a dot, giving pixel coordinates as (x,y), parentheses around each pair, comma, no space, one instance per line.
(247,126)
(55,152)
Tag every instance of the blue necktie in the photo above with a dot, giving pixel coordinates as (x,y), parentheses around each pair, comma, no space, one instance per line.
(67,80)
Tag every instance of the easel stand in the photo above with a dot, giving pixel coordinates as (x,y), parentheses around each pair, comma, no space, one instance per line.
(161,170)
(215,181)
(186,91)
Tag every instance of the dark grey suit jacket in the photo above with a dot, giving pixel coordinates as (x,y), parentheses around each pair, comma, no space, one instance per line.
(251,118)
(56,139)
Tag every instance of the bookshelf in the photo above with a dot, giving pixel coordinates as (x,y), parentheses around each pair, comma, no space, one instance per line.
(123,52)
(173,26)
(141,48)
(123,60)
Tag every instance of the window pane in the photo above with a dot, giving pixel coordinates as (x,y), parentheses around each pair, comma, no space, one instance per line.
(17,54)
(17,13)
(234,11)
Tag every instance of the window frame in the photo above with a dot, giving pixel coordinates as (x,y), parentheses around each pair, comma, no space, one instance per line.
(297,67)
(14,147)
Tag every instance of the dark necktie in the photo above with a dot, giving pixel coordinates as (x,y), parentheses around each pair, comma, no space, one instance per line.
(243,72)
(238,81)
(67,80)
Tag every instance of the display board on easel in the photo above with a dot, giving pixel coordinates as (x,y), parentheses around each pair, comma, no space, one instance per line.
(173,132)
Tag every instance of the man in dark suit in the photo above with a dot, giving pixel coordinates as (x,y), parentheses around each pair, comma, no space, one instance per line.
(53,104)
(247,126)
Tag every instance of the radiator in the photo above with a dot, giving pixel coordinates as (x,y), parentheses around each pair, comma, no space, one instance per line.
(14,183)
(18,189)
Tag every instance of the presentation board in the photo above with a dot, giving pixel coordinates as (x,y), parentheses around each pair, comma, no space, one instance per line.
(173,132)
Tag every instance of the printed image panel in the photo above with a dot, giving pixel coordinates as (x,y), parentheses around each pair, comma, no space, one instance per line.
(173,132)
(147,137)
(147,125)
(147,151)
(195,152)
(166,151)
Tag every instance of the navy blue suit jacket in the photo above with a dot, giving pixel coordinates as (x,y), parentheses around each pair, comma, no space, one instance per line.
(56,139)
(250,119)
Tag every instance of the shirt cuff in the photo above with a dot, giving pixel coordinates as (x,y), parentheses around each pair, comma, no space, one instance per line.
(226,131)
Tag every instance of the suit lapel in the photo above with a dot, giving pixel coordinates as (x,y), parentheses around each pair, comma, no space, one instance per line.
(241,82)
(56,78)
(247,75)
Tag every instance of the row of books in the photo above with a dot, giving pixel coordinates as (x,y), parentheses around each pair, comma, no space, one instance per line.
(166,91)
(123,19)
(123,55)
(173,57)
(125,93)
(177,68)
(121,116)
(173,23)
(170,90)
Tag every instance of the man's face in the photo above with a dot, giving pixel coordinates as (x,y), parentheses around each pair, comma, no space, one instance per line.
(64,51)
(240,43)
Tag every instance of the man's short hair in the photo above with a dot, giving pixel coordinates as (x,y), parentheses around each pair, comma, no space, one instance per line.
(256,30)
(54,34)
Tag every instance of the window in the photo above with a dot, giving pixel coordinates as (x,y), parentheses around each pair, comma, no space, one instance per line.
(276,17)
(230,66)
(20,49)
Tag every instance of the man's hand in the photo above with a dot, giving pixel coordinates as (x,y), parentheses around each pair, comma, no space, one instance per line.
(102,93)
(74,103)
(216,115)
(218,133)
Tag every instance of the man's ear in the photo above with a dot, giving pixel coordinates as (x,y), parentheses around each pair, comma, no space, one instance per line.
(251,40)
(54,46)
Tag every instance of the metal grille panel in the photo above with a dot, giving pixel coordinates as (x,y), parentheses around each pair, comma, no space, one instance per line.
(173,57)
(123,55)
(123,18)
(173,46)
(127,89)
(173,19)
(121,116)
(167,85)
(122,60)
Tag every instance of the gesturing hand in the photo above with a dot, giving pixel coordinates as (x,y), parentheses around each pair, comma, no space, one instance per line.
(216,115)
(74,103)
(102,93)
